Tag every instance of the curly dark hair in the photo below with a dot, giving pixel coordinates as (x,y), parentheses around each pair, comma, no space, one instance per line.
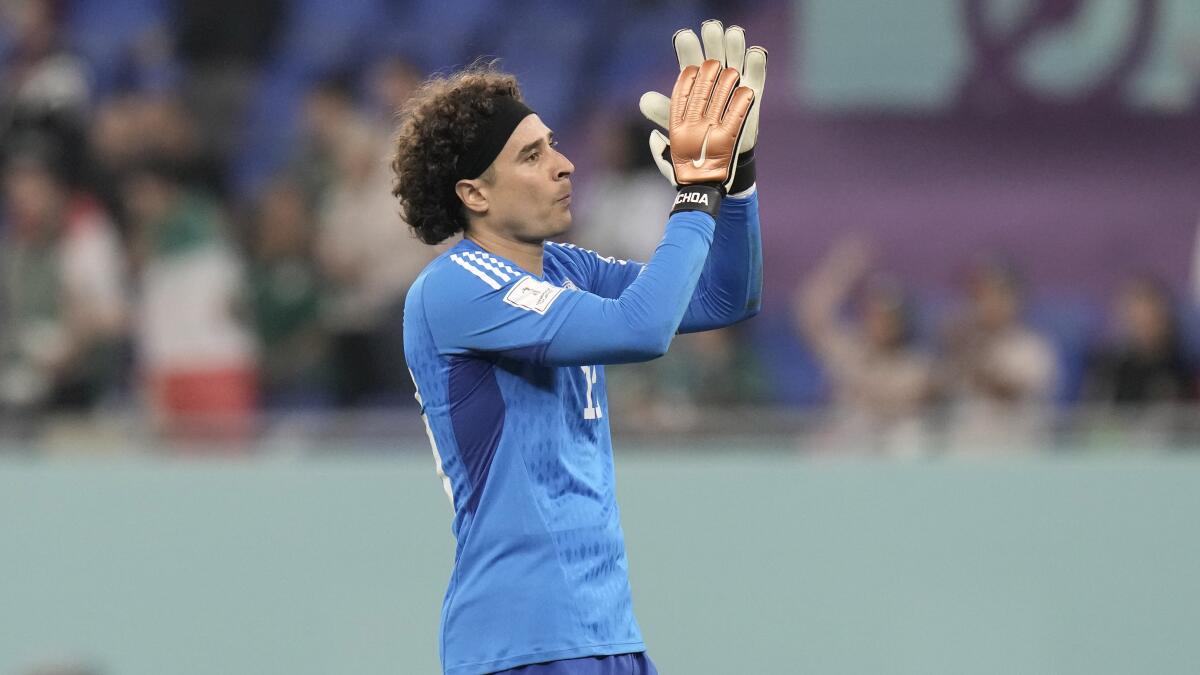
(437,125)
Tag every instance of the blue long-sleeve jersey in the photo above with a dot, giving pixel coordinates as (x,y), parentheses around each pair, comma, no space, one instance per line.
(509,372)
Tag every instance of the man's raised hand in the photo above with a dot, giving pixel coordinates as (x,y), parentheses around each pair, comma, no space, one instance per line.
(707,118)
(727,46)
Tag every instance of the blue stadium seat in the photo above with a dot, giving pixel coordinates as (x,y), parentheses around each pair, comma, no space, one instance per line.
(101,31)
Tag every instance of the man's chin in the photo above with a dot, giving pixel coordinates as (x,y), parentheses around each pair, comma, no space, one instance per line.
(563,225)
(557,228)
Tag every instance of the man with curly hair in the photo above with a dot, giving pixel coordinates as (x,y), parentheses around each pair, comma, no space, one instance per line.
(507,334)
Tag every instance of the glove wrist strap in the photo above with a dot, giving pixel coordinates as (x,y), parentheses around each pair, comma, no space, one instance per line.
(745,175)
(702,197)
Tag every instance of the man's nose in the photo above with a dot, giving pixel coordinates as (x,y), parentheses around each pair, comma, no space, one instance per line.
(565,168)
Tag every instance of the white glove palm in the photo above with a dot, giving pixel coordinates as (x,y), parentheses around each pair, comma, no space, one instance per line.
(715,42)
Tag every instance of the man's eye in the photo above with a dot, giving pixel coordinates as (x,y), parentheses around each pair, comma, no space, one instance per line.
(533,156)
(554,143)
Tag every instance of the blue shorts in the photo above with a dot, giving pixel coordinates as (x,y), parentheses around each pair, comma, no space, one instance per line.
(620,664)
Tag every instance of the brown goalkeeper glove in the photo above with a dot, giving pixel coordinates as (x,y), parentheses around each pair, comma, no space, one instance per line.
(708,116)
(727,45)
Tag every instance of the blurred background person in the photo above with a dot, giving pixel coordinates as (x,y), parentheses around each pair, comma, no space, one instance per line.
(285,287)
(114,143)
(999,373)
(390,81)
(132,126)
(171,132)
(1143,378)
(620,205)
(43,86)
(1145,361)
(368,259)
(880,382)
(63,301)
(195,350)
(328,109)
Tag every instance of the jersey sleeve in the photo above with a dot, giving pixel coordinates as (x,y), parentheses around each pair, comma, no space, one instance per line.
(602,275)
(476,303)
(730,288)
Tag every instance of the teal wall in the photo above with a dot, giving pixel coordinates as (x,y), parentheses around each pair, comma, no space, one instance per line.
(912,55)
(761,563)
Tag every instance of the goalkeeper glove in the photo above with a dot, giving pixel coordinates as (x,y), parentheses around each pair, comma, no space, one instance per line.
(707,118)
(729,47)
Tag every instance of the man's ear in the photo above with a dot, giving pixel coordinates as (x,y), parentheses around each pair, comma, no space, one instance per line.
(473,196)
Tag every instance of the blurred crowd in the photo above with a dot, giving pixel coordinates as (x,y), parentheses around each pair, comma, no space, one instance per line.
(981,375)
(133,275)
(900,372)
(141,269)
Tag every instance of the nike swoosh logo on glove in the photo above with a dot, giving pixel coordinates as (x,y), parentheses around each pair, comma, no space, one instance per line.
(697,163)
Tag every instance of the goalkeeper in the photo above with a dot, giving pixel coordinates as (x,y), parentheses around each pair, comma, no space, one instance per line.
(507,335)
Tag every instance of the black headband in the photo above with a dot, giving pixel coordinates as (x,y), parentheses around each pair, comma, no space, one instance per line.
(493,134)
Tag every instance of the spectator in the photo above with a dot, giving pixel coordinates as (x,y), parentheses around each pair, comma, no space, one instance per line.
(390,82)
(44,89)
(368,259)
(1146,363)
(63,306)
(620,208)
(285,288)
(881,384)
(114,143)
(128,128)
(195,352)
(1000,374)
(42,85)
(170,132)
(329,108)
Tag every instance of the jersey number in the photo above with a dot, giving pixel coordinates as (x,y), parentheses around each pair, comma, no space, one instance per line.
(591,412)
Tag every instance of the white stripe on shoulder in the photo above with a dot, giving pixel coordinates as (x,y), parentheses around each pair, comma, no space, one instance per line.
(503,264)
(476,271)
(484,261)
(606,258)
